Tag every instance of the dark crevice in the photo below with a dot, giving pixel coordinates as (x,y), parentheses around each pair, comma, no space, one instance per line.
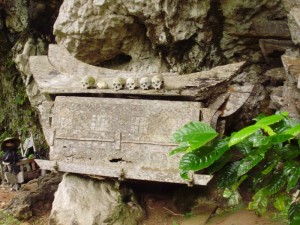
(215,22)
(116,160)
(126,96)
(116,61)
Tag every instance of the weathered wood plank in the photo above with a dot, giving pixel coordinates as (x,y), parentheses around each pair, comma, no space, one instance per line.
(132,132)
(55,79)
(123,172)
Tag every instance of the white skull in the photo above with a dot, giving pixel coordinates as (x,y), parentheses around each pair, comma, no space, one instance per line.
(88,82)
(145,83)
(131,83)
(102,84)
(157,82)
(118,83)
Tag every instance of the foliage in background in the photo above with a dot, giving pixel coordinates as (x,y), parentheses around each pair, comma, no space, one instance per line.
(269,151)
(8,219)
(16,114)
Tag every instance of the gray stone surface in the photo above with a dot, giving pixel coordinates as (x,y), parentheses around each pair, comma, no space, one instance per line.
(85,201)
(16,15)
(240,17)
(123,132)
(294,24)
(289,4)
(167,35)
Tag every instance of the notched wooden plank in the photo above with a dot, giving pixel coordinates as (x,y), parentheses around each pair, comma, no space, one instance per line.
(62,75)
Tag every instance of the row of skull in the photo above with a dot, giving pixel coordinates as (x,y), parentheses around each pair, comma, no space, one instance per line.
(119,83)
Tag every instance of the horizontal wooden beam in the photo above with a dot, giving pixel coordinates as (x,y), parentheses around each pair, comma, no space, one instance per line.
(122,173)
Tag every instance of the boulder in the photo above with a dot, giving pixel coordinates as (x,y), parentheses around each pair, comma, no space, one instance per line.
(34,198)
(86,201)
(167,35)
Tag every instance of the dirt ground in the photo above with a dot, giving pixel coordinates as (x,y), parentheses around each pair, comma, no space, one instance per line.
(160,211)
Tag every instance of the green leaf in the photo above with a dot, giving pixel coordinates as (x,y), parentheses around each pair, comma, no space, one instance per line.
(288,152)
(283,113)
(185,174)
(228,176)
(220,163)
(247,163)
(269,120)
(282,202)
(259,202)
(294,214)
(294,131)
(192,131)
(200,160)
(242,134)
(279,138)
(238,183)
(270,168)
(268,130)
(292,171)
(245,146)
(202,140)
(283,125)
(276,184)
(181,148)
(227,193)
(257,139)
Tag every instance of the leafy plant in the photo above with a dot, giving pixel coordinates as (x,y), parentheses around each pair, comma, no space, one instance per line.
(268,159)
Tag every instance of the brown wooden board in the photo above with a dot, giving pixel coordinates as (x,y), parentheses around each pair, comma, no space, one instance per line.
(60,73)
(129,135)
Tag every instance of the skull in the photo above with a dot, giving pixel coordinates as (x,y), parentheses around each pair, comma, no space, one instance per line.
(157,82)
(131,83)
(118,83)
(88,82)
(102,84)
(145,83)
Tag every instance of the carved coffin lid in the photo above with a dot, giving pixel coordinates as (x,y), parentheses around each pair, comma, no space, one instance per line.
(60,73)
(120,137)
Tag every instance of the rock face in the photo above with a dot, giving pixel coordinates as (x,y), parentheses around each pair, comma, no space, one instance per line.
(16,15)
(86,201)
(294,24)
(163,35)
(102,32)
(35,198)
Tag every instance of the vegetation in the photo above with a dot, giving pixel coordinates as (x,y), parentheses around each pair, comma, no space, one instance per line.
(17,117)
(265,155)
(8,219)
